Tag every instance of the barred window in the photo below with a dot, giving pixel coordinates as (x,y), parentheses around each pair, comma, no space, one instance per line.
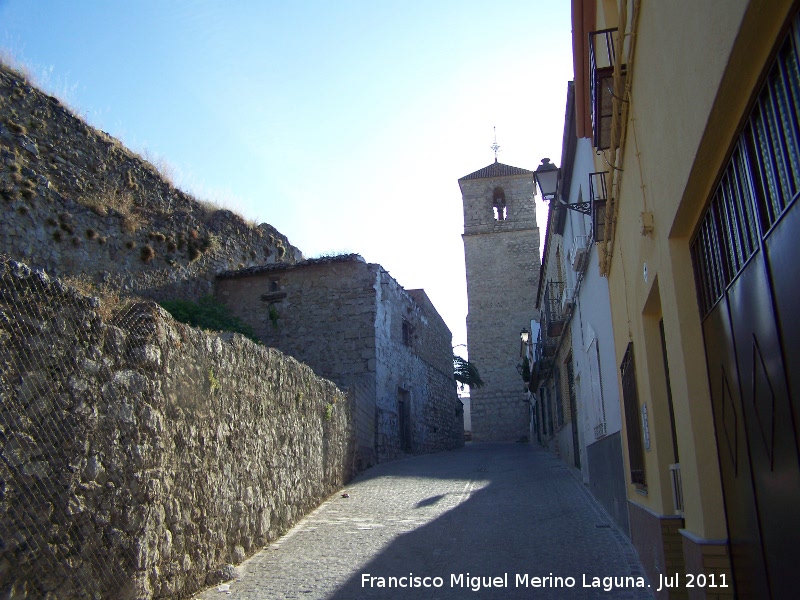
(630,398)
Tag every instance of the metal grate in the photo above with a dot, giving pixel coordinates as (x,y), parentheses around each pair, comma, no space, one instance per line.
(553,308)
(630,398)
(602,59)
(677,488)
(760,181)
(598,194)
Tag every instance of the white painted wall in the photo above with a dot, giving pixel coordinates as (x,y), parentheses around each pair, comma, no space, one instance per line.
(591,321)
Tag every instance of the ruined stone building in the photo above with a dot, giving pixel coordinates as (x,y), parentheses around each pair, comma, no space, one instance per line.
(501,248)
(354,324)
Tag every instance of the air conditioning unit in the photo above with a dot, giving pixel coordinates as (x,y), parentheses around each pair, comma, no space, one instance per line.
(567,299)
(579,253)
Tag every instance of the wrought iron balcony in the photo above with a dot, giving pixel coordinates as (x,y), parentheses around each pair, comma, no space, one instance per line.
(554,315)
(543,352)
(602,60)
(598,193)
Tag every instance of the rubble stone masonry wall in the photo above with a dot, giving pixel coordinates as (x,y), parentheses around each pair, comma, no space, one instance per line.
(75,202)
(139,457)
(323,315)
(416,363)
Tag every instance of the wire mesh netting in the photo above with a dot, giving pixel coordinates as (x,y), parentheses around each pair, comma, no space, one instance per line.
(57,535)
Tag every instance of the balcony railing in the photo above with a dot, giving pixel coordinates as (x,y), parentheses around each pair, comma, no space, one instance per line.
(602,59)
(554,315)
(544,349)
(598,192)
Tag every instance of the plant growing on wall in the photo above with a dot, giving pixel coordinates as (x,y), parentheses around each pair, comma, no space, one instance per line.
(273,315)
(466,373)
(213,382)
(207,313)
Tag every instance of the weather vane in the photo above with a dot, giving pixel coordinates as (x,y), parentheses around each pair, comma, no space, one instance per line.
(494,146)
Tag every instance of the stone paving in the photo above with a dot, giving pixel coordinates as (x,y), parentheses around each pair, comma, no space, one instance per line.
(481,522)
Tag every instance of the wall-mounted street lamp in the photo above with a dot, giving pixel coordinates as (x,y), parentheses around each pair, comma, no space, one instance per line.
(548,178)
(524,336)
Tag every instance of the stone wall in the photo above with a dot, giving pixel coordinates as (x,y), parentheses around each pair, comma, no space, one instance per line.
(142,457)
(323,314)
(74,201)
(502,274)
(414,366)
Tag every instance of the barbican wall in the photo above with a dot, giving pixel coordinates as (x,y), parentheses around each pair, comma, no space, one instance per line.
(142,458)
(76,202)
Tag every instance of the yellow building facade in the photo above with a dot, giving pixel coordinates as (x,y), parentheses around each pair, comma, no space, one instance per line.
(694,110)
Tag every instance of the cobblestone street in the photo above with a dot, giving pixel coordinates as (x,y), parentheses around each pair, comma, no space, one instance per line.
(489,511)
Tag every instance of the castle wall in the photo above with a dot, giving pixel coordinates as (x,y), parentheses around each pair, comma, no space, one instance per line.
(75,202)
(139,457)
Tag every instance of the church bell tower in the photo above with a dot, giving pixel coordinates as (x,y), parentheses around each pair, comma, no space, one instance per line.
(501,248)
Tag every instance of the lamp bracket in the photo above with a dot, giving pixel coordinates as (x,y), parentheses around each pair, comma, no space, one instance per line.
(581,207)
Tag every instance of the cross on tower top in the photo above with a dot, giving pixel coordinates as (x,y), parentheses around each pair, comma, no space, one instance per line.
(494,146)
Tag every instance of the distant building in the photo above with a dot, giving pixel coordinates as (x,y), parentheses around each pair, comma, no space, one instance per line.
(354,324)
(501,249)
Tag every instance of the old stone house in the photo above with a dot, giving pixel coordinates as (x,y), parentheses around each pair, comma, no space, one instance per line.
(355,325)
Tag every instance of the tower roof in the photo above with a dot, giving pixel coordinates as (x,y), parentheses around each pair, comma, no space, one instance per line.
(496,169)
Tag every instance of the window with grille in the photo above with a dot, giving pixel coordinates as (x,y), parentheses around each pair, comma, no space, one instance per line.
(760,181)
(630,398)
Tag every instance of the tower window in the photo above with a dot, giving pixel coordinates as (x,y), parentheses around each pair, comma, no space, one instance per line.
(408,333)
(499,204)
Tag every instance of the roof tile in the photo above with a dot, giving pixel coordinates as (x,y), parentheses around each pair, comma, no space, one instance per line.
(496,169)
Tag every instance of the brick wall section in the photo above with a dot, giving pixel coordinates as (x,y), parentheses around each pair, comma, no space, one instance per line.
(74,201)
(659,543)
(344,318)
(713,560)
(140,455)
(502,263)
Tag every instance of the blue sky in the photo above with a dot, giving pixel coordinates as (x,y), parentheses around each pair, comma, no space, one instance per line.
(345,124)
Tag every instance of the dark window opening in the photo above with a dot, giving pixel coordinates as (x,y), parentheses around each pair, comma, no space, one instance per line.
(499,207)
(408,333)
(633,425)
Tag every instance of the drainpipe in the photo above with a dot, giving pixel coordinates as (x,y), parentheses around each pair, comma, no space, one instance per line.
(617,156)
